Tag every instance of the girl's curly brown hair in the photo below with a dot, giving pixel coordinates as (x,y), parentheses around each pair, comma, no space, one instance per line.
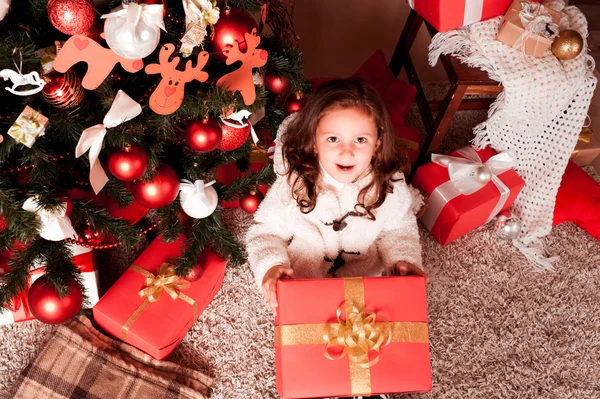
(299,143)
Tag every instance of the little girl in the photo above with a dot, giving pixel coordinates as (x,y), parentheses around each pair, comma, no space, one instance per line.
(340,206)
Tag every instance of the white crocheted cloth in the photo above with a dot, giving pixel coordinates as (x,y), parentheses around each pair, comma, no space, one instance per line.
(538,115)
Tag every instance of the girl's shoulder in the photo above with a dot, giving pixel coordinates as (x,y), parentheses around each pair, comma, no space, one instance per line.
(404,193)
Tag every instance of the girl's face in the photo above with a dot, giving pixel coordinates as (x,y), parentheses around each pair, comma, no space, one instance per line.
(345,142)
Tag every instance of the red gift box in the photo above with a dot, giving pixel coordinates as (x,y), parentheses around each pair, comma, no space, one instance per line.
(83,258)
(451,214)
(392,311)
(134,311)
(446,15)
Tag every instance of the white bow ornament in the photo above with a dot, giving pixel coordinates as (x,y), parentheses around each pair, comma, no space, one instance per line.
(122,109)
(56,225)
(198,200)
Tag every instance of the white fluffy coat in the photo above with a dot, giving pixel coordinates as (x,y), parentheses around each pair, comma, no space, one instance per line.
(283,235)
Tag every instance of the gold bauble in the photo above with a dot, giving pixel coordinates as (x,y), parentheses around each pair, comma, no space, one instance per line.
(567,45)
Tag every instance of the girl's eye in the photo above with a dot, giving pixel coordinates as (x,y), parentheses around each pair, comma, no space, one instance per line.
(332,139)
(361,140)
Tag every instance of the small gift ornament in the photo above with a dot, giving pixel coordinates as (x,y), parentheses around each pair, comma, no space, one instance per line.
(199,14)
(28,127)
(198,200)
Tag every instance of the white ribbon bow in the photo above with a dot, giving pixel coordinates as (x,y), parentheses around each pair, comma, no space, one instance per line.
(151,14)
(56,226)
(188,188)
(462,172)
(122,109)
(536,21)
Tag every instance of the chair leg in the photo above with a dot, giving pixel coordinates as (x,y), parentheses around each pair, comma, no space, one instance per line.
(407,38)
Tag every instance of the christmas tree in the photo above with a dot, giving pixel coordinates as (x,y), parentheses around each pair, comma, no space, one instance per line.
(103,118)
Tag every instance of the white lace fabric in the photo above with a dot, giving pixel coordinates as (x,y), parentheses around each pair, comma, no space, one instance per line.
(538,115)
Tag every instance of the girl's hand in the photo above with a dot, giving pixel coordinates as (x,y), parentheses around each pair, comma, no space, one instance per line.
(269,284)
(403,268)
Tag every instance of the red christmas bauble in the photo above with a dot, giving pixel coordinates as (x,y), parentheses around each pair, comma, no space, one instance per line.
(196,272)
(47,306)
(204,135)
(294,103)
(128,164)
(89,236)
(251,202)
(63,90)
(233,137)
(159,192)
(276,84)
(3,223)
(72,17)
(230,27)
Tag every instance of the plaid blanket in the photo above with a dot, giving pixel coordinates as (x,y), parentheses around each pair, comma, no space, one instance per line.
(79,362)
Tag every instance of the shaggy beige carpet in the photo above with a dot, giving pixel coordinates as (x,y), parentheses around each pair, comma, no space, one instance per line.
(499,329)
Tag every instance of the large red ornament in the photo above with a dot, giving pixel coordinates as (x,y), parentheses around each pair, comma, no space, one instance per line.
(251,202)
(203,135)
(128,164)
(275,84)
(233,137)
(294,103)
(196,272)
(72,17)
(230,27)
(63,91)
(159,192)
(47,306)
(89,236)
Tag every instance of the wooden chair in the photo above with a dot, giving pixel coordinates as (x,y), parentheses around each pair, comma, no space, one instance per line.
(464,80)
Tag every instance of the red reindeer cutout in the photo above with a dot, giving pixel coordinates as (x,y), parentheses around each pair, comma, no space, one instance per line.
(241,79)
(100,60)
(168,96)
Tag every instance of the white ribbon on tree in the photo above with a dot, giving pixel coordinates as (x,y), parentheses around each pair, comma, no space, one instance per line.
(151,14)
(464,180)
(188,188)
(122,109)
(56,225)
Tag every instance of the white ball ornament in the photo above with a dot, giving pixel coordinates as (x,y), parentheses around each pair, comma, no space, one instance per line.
(133,30)
(198,200)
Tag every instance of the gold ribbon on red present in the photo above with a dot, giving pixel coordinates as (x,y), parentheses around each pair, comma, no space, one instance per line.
(165,280)
(359,336)
(585,137)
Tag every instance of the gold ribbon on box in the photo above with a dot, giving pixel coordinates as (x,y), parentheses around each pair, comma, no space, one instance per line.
(28,127)
(585,137)
(259,153)
(359,335)
(165,280)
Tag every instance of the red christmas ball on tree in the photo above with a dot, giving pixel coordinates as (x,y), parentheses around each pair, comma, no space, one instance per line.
(128,164)
(294,103)
(204,135)
(276,84)
(231,26)
(159,192)
(196,272)
(48,306)
(72,17)
(234,135)
(63,91)
(89,236)
(251,202)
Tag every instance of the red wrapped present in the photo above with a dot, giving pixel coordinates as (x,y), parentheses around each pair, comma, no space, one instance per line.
(315,319)
(83,258)
(136,310)
(466,189)
(446,15)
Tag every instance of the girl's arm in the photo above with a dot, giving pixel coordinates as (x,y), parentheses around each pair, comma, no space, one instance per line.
(268,237)
(399,239)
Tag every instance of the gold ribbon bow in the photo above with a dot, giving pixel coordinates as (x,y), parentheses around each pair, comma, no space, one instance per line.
(359,335)
(165,280)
